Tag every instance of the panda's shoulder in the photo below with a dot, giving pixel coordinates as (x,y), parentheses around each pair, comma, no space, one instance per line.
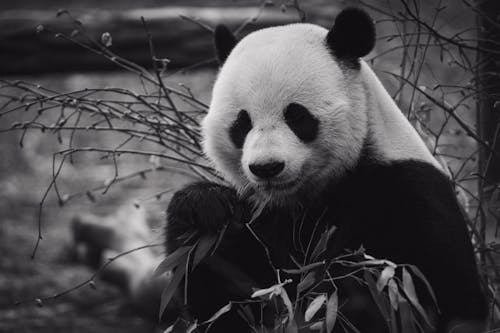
(412,184)
(414,173)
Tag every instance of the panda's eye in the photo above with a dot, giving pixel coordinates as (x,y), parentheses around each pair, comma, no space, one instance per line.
(295,112)
(240,128)
(301,122)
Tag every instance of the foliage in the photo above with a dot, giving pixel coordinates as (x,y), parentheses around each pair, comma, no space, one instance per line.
(316,285)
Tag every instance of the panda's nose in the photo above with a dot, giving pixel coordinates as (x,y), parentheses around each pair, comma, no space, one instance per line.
(267,170)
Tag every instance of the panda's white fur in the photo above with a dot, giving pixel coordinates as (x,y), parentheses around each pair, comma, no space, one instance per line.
(273,67)
(395,137)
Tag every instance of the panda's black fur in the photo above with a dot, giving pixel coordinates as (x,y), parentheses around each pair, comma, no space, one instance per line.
(402,210)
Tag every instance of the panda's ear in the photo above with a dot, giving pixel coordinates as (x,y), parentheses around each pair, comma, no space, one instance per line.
(224,41)
(352,36)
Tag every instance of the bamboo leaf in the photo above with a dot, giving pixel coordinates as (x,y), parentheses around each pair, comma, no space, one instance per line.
(219,313)
(171,288)
(315,305)
(257,210)
(393,294)
(375,262)
(380,300)
(192,327)
(394,322)
(385,276)
(180,325)
(323,242)
(415,270)
(172,260)
(304,268)
(264,292)
(331,311)
(291,328)
(317,326)
(306,282)
(276,289)
(246,313)
(409,289)
(289,307)
(406,317)
(203,248)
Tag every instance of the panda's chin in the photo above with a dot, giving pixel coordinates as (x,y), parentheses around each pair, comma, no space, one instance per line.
(278,189)
(281,187)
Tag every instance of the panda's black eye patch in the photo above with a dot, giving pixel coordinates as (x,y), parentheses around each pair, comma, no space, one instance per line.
(240,128)
(301,122)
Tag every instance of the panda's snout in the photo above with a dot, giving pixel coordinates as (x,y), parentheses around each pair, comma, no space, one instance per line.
(267,170)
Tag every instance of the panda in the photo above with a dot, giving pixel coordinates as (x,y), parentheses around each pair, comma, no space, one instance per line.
(308,139)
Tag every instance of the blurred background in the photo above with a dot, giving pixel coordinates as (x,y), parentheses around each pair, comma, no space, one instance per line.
(70,62)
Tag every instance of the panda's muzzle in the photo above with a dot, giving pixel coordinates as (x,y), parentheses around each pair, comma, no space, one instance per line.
(267,170)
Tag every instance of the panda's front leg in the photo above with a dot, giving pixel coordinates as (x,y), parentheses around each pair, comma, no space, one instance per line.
(200,209)
(238,263)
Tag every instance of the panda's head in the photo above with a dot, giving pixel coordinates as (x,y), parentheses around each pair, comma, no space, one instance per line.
(288,110)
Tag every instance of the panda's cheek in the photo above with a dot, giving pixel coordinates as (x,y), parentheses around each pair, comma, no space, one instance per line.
(309,160)
(297,157)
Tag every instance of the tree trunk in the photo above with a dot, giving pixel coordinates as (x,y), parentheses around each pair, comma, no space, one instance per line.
(488,114)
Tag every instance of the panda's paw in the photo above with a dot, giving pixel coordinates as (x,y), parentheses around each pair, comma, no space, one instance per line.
(201,209)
